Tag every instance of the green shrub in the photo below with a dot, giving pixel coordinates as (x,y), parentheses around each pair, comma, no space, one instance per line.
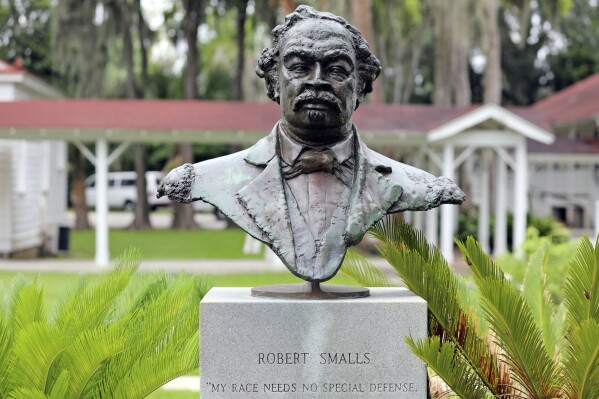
(534,348)
(545,226)
(558,255)
(121,337)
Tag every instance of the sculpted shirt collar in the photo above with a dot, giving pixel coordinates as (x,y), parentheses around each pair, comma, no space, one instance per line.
(291,149)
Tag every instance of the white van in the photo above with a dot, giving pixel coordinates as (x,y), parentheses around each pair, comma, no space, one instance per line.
(122,193)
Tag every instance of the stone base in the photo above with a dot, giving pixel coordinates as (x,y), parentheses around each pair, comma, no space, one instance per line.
(282,348)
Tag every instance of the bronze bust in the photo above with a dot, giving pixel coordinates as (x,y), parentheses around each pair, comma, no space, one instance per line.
(311,188)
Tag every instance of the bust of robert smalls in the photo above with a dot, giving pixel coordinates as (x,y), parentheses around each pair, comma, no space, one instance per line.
(311,188)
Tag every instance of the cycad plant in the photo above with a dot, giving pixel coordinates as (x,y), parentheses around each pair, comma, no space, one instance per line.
(121,336)
(493,339)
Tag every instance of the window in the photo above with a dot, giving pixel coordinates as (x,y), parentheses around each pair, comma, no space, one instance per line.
(559,213)
(111,182)
(128,182)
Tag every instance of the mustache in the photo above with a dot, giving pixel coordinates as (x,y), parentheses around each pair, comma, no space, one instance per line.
(323,97)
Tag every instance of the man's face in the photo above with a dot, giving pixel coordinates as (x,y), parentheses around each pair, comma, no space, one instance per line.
(317,79)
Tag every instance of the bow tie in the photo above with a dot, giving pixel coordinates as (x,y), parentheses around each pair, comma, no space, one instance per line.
(311,161)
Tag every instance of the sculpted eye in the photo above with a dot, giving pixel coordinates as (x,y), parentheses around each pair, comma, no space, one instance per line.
(298,68)
(338,70)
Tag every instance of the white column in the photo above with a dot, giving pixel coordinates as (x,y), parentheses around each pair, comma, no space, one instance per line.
(417,217)
(501,190)
(431,229)
(447,211)
(484,201)
(102,251)
(432,226)
(520,194)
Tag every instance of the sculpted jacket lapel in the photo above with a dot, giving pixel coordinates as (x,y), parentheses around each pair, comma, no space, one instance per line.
(372,195)
(264,198)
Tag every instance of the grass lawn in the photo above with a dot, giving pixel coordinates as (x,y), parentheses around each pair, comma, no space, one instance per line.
(56,283)
(166,244)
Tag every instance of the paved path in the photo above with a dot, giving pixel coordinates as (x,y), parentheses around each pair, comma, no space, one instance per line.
(159,220)
(187,383)
(214,266)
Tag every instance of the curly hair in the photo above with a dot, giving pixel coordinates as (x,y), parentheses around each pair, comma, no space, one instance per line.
(369,67)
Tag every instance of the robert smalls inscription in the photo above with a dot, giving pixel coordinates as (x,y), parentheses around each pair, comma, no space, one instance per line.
(306,358)
(311,188)
(267,348)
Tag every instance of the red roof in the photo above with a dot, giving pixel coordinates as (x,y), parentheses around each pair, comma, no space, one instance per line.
(5,67)
(577,102)
(565,146)
(214,115)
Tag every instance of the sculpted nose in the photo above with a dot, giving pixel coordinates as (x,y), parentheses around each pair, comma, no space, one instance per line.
(316,81)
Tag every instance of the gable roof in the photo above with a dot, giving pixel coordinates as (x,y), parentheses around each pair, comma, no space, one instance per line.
(574,103)
(510,119)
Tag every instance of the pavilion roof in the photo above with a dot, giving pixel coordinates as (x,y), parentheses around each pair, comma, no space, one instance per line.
(574,103)
(218,115)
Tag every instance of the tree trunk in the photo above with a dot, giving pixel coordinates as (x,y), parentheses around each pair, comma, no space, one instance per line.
(241,17)
(125,21)
(183,213)
(452,41)
(78,190)
(141,220)
(462,93)
(442,26)
(191,24)
(493,83)
(142,208)
(287,6)
(362,17)
(142,31)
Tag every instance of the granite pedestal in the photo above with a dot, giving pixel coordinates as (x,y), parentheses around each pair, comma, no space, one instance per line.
(277,348)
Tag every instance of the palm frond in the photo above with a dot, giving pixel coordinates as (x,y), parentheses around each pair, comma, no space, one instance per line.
(88,306)
(9,297)
(519,337)
(5,349)
(143,288)
(61,386)
(27,393)
(426,273)
(392,230)
(35,349)
(582,284)
(581,364)
(88,356)
(539,299)
(481,264)
(160,324)
(28,307)
(151,372)
(359,269)
(446,361)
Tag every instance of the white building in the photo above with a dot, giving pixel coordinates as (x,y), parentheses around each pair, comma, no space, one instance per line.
(33,178)
(564,176)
